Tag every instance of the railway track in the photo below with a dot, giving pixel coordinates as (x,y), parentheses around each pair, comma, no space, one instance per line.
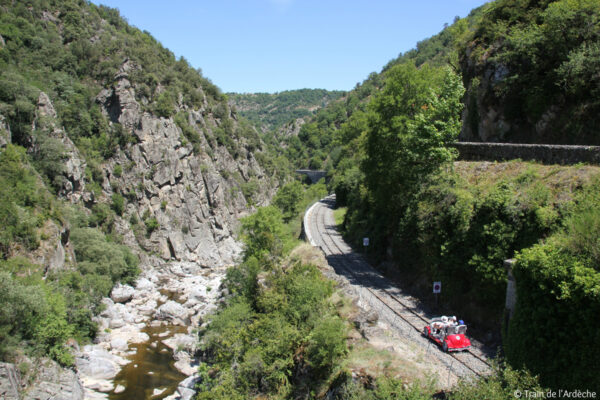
(340,255)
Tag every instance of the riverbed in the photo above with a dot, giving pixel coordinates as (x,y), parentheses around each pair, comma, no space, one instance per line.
(151,373)
(147,334)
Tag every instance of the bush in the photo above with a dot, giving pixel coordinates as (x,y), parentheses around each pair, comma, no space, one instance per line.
(97,256)
(118,203)
(555,318)
(21,199)
(151,225)
(327,343)
(33,311)
(288,199)
(164,106)
(500,385)
(265,235)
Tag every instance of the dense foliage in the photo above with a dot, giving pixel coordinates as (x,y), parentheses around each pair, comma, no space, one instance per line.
(270,111)
(278,333)
(385,145)
(558,292)
(35,302)
(543,57)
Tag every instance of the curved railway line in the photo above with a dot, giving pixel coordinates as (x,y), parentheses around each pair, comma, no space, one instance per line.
(394,306)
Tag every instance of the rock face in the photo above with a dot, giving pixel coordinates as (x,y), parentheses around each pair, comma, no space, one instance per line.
(9,382)
(194,199)
(122,293)
(54,383)
(5,134)
(73,182)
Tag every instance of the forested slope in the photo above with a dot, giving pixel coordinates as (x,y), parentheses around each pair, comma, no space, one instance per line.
(270,111)
(531,73)
(386,147)
(115,156)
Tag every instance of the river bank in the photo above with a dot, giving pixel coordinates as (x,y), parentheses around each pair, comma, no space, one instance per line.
(147,334)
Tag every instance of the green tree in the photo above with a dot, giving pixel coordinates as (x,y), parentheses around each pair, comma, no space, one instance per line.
(410,125)
(265,235)
(288,199)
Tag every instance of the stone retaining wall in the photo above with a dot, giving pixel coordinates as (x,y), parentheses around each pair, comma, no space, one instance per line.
(543,153)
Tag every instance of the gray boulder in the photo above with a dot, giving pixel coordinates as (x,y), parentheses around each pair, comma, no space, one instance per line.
(54,382)
(173,311)
(122,293)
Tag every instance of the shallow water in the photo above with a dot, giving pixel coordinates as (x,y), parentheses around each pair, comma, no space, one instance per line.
(150,368)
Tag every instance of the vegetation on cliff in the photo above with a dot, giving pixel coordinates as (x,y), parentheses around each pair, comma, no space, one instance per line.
(282,331)
(533,64)
(45,308)
(62,192)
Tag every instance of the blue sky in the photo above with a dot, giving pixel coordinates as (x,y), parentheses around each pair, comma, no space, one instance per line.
(275,45)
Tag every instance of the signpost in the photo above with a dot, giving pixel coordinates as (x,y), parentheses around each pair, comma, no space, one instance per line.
(365,241)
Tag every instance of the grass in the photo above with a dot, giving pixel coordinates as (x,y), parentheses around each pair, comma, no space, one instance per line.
(305,253)
(339,214)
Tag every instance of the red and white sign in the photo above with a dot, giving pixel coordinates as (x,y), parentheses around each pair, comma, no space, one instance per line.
(437,287)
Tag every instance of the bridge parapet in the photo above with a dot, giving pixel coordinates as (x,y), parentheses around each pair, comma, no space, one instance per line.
(314,175)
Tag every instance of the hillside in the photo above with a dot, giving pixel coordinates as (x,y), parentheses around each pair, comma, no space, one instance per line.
(270,111)
(390,162)
(531,73)
(117,158)
(135,216)
(319,141)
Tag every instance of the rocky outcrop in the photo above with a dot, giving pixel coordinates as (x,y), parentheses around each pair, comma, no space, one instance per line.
(122,293)
(5,134)
(10,382)
(194,200)
(73,182)
(484,118)
(54,383)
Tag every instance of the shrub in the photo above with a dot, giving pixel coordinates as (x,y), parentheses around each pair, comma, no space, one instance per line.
(265,235)
(151,225)
(288,199)
(164,106)
(118,203)
(97,256)
(327,343)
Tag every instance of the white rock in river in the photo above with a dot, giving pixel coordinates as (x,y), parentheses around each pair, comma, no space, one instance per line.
(98,363)
(119,389)
(116,323)
(119,344)
(122,293)
(145,285)
(172,310)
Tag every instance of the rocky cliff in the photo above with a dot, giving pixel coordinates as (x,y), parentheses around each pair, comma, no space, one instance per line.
(107,123)
(530,71)
(195,198)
